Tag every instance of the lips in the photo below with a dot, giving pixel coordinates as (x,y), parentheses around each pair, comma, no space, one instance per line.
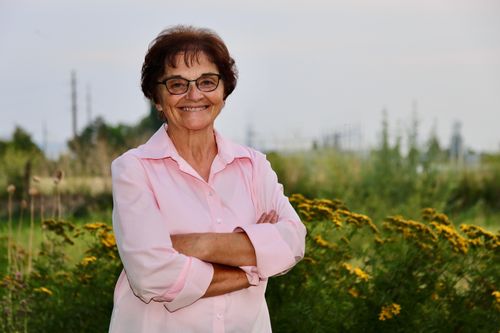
(193,108)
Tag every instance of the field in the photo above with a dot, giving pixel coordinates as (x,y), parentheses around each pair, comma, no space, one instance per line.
(394,244)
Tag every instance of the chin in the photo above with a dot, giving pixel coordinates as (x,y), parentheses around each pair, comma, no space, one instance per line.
(197,126)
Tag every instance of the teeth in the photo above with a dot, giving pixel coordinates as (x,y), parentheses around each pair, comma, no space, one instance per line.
(193,109)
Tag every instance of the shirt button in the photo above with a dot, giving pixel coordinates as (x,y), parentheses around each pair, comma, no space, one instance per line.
(220,316)
(218,220)
(210,193)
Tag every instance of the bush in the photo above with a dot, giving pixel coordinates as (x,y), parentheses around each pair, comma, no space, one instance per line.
(407,276)
(58,296)
(400,276)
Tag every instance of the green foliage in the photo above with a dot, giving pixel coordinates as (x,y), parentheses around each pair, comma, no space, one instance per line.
(18,158)
(357,278)
(99,143)
(58,296)
(476,188)
(386,183)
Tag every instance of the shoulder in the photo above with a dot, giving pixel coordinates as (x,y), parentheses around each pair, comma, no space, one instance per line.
(258,159)
(128,161)
(236,150)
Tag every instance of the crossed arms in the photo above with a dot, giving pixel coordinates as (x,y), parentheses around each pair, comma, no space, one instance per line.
(226,252)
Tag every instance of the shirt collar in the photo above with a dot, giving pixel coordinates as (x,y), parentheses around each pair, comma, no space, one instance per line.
(160,146)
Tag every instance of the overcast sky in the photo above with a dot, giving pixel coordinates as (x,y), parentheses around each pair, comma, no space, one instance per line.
(307,68)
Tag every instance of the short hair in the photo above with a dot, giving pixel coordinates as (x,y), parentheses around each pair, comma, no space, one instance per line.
(190,41)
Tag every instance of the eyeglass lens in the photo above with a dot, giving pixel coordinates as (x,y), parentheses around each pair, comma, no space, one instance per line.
(204,83)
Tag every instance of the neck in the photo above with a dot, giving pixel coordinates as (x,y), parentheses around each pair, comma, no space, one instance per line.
(194,146)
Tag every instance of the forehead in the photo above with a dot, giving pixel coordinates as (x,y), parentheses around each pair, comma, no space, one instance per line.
(191,66)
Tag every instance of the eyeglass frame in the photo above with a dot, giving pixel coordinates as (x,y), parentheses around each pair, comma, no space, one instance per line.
(164,82)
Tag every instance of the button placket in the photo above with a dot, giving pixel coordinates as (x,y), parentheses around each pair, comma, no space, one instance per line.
(219,309)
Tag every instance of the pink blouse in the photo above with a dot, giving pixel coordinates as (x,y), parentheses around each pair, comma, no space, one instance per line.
(157,194)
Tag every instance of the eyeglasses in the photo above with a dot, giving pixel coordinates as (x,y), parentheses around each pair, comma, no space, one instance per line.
(180,85)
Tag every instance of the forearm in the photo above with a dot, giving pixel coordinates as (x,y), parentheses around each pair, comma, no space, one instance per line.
(231,249)
(226,279)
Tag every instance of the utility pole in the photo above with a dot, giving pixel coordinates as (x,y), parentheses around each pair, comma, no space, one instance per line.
(73,103)
(44,138)
(89,105)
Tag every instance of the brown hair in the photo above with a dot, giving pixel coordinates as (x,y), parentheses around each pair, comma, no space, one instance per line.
(189,41)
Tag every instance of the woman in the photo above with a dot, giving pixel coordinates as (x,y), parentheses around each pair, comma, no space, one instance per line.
(200,222)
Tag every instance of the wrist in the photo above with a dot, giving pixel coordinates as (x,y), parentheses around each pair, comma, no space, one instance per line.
(251,274)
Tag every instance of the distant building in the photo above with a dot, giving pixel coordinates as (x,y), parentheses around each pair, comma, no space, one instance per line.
(458,154)
(347,138)
(457,143)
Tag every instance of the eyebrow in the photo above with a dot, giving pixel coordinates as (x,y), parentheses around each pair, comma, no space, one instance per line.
(181,77)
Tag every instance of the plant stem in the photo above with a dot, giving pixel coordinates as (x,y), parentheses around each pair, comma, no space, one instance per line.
(32,227)
(9,236)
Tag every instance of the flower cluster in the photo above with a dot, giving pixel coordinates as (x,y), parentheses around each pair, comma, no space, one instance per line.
(424,236)
(105,237)
(479,236)
(323,242)
(330,210)
(43,290)
(88,260)
(95,226)
(60,228)
(362,275)
(458,242)
(389,311)
(496,294)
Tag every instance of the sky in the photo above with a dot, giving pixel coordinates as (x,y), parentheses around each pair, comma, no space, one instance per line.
(306,68)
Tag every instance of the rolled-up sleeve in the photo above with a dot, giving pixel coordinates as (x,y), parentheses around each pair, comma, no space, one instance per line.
(278,247)
(155,270)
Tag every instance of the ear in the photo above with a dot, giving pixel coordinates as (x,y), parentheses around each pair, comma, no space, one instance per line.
(159,107)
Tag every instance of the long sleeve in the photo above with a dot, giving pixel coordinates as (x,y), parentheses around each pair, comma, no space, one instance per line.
(155,270)
(278,247)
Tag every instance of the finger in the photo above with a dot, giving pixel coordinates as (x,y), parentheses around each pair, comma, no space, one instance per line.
(270,217)
(275,217)
(262,218)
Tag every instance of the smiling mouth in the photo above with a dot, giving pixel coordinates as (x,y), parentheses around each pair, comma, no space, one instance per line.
(194,108)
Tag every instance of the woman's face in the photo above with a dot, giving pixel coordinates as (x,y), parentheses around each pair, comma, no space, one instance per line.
(193,110)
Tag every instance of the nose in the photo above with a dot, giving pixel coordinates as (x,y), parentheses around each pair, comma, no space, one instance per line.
(193,93)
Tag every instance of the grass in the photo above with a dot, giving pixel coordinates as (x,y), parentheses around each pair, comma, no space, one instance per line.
(74,253)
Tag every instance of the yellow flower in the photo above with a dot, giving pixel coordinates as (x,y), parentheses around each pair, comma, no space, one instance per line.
(496,294)
(389,311)
(108,240)
(94,226)
(362,275)
(87,260)
(322,242)
(459,243)
(353,292)
(43,290)
(480,237)
(347,266)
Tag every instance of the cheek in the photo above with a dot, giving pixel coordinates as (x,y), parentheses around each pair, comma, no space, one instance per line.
(171,100)
(217,99)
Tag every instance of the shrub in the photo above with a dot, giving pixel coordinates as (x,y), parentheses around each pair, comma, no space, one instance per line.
(407,276)
(401,276)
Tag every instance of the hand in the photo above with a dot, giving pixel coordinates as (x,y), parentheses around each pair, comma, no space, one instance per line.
(271,217)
